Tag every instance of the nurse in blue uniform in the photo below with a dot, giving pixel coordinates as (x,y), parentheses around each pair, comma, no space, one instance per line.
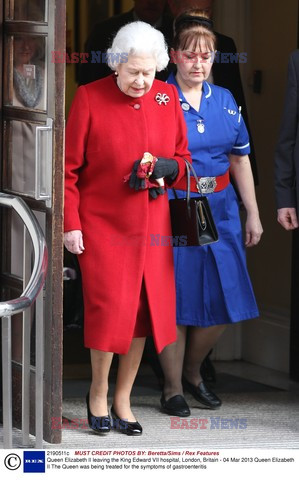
(212,282)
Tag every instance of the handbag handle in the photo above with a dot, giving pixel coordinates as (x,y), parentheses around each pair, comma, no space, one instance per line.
(189,167)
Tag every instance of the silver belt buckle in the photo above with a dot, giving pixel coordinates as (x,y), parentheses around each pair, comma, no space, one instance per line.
(207,184)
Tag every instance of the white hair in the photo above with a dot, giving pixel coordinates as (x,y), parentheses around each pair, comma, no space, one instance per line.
(138,38)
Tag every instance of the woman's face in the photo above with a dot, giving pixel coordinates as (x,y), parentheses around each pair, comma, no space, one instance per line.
(194,64)
(24,49)
(136,76)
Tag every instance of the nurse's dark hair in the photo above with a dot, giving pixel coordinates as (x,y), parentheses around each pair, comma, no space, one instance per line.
(191,28)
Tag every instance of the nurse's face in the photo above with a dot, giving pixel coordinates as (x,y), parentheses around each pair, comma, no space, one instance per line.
(136,76)
(194,64)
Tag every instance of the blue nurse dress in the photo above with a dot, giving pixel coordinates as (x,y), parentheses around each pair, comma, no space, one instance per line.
(212,282)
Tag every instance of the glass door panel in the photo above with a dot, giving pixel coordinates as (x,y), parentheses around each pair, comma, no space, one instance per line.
(27,159)
(27,10)
(26,86)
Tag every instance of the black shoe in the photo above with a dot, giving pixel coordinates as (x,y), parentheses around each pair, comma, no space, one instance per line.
(202,394)
(176,406)
(207,370)
(128,428)
(97,424)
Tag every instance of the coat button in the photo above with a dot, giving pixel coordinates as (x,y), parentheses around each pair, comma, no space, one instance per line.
(137,106)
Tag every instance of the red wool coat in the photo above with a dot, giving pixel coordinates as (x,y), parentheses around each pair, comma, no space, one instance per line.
(106,132)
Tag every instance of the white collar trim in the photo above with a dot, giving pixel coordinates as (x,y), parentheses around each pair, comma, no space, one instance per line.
(209,92)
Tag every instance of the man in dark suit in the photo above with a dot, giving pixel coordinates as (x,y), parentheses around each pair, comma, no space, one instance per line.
(287,192)
(287,152)
(150,11)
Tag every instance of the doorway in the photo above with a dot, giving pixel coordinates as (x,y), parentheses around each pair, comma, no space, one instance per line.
(32,136)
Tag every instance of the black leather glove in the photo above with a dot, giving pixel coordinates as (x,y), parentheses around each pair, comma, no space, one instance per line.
(166,167)
(156,191)
(135,182)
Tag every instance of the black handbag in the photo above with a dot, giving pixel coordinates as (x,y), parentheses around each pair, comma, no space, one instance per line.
(191,218)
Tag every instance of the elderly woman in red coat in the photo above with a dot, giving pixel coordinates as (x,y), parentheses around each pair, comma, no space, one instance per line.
(120,229)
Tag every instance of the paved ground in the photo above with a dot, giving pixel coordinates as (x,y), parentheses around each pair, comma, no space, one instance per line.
(254,414)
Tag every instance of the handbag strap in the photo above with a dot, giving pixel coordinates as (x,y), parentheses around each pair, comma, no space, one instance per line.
(189,167)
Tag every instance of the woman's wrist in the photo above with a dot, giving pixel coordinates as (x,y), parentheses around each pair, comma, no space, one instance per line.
(252,212)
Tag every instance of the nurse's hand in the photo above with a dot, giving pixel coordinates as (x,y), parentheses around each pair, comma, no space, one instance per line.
(253,229)
(73,242)
(287,217)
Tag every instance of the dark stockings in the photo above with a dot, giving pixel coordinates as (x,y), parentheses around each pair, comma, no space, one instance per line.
(186,355)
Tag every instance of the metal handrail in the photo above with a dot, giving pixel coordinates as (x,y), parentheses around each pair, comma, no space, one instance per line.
(12,307)
(32,293)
